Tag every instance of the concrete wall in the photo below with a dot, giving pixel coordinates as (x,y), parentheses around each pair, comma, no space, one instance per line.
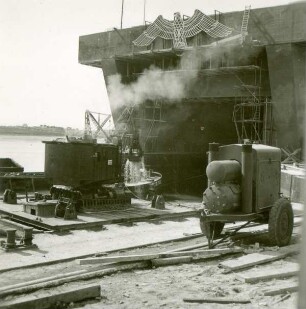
(287,79)
(293,183)
(272,25)
(268,25)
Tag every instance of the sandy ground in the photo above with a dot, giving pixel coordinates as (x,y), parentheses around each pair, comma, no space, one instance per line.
(166,287)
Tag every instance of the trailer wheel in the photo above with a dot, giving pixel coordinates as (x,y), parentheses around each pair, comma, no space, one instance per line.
(281,223)
(210,229)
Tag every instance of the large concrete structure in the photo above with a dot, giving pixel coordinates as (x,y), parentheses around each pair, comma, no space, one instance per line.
(224,90)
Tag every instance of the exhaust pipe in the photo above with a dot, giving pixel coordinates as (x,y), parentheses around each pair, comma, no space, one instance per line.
(247,178)
(212,156)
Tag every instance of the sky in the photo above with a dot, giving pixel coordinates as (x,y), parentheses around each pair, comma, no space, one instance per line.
(41,81)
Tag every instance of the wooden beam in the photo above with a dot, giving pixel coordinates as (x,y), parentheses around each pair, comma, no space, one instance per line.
(200,245)
(259,258)
(36,281)
(287,269)
(70,278)
(49,299)
(301,303)
(171,261)
(103,252)
(146,257)
(219,300)
(117,259)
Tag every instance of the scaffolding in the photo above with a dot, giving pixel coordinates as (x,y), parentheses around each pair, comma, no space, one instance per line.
(150,118)
(150,139)
(252,114)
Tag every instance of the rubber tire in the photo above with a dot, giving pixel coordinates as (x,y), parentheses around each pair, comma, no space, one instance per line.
(281,223)
(215,227)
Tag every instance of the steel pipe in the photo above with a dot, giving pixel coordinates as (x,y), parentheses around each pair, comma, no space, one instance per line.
(213,150)
(247,178)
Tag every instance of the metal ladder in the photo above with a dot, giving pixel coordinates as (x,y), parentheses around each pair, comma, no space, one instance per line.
(245,22)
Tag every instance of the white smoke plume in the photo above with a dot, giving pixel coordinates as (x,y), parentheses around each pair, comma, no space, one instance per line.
(151,85)
(155,83)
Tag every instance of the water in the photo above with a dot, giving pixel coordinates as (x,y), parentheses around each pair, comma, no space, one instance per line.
(28,151)
(135,172)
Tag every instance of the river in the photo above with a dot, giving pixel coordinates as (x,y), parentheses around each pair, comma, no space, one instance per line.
(28,151)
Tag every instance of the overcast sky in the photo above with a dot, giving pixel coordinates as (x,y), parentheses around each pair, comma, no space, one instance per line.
(41,81)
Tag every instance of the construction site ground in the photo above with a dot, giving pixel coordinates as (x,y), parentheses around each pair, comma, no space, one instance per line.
(150,287)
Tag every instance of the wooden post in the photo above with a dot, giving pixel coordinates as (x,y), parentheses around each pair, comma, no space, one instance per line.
(302,276)
(10,238)
(28,235)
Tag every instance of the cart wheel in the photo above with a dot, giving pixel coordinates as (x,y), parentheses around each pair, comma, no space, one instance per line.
(281,223)
(211,228)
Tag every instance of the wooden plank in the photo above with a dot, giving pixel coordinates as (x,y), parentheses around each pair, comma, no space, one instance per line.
(287,269)
(185,214)
(110,217)
(258,258)
(50,298)
(186,248)
(281,289)
(219,300)
(117,259)
(103,253)
(83,276)
(146,257)
(40,280)
(204,253)
(171,261)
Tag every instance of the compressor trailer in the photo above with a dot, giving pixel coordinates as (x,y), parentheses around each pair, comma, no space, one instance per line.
(244,185)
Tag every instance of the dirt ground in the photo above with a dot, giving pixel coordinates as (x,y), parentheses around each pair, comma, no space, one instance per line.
(166,287)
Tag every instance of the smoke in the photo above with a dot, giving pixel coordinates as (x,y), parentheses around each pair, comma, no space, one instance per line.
(170,84)
(151,85)
(155,83)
